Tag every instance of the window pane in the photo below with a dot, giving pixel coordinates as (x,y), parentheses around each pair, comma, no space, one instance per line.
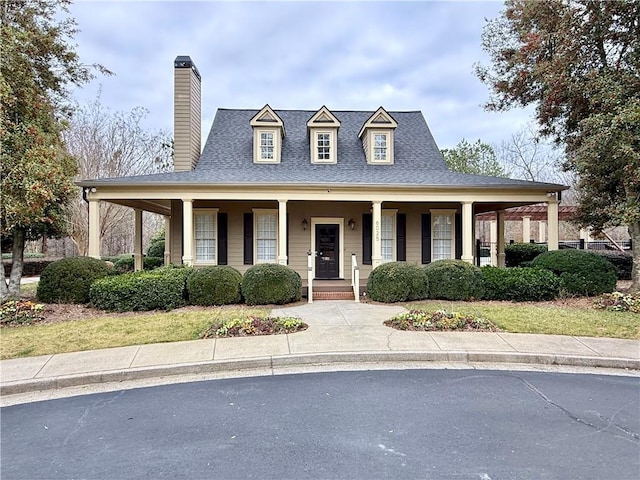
(205,237)
(387,238)
(442,236)
(266,239)
(324,146)
(380,147)
(266,145)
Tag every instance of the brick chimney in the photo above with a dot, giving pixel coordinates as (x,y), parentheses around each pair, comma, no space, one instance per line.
(186,114)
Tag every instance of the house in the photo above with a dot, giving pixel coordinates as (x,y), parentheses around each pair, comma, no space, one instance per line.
(310,188)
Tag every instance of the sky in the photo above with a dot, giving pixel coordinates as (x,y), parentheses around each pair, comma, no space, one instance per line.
(297,55)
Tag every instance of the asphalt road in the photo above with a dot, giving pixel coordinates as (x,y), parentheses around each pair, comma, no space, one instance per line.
(429,424)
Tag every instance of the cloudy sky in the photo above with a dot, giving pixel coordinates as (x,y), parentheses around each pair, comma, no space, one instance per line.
(298,55)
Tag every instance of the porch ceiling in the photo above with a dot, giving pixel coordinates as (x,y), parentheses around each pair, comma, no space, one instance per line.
(161,207)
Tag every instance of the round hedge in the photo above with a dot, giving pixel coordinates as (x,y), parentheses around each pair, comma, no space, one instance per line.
(454,280)
(397,282)
(519,284)
(126,264)
(68,280)
(271,283)
(218,285)
(581,273)
(156,248)
(160,289)
(517,253)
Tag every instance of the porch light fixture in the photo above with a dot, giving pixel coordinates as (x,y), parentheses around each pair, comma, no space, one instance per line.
(352,224)
(305,224)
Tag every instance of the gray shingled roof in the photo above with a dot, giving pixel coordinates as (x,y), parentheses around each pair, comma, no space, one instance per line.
(227,157)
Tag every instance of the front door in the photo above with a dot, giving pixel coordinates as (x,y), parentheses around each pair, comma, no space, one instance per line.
(327,251)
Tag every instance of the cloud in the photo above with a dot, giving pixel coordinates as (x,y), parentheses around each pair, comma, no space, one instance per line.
(347,55)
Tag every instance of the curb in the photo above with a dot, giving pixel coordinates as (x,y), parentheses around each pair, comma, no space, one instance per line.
(310,359)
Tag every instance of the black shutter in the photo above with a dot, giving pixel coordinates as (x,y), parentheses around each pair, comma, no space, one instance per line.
(401,237)
(458,229)
(426,238)
(367,245)
(288,239)
(248,238)
(222,238)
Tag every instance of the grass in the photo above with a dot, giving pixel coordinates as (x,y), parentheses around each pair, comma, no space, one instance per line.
(120,331)
(546,319)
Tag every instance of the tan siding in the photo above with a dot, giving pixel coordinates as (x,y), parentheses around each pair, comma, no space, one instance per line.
(187,112)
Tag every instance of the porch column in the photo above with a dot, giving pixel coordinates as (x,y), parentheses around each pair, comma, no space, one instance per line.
(167,240)
(94,229)
(376,254)
(493,242)
(526,229)
(467,232)
(542,231)
(187,231)
(552,221)
(137,241)
(282,232)
(500,238)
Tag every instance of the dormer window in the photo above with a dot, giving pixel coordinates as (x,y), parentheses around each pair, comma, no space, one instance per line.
(266,145)
(377,138)
(323,136)
(268,132)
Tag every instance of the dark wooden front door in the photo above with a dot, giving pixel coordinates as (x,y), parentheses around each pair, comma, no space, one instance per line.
(327,251)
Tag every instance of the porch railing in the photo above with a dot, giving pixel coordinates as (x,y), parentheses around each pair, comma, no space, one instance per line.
(310,259)
(355,277)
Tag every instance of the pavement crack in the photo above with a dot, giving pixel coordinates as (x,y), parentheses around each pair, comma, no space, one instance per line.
(628,434)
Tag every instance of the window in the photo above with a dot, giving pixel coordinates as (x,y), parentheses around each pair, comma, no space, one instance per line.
(443,236)
(266,145)
(380,147)
(266,229)
(387,237)
(323,143)
(205,236)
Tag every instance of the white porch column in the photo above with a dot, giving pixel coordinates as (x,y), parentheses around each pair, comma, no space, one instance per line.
(137,241)
(500,237)
(542,231)
(552,221)
(376,254)
(493,240)
(467,232)
(187,231)
(282,232)
(94,229)
(167,240)
(526,229)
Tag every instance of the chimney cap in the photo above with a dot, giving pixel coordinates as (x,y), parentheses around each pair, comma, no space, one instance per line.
(184,61)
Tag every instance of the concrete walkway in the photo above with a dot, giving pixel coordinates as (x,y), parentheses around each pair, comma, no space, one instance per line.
(340,333)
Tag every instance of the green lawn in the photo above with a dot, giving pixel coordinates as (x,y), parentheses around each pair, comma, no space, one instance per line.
(545,318)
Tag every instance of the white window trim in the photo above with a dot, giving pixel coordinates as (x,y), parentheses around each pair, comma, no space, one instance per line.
(444,212)
(256,213)
(257,150)
(393,213)
(389,157)
(196,213)
(333,141)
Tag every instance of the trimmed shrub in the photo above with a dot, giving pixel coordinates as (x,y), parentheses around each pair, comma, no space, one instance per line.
(519,284)
(271,283)
(454,280)
(623,262)
(397,282)
(160,289)
(517,253)
(126,264)
(218,285)
(31,267)
(156,248)
(582,273)
(68,280)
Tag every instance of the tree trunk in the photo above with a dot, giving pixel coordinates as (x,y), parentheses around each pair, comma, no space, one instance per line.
(634,232)
(4,291)
(17,262)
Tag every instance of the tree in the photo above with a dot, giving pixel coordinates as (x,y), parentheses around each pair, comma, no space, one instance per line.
(111,144)
(578,61)
(36,66)
(478,158)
